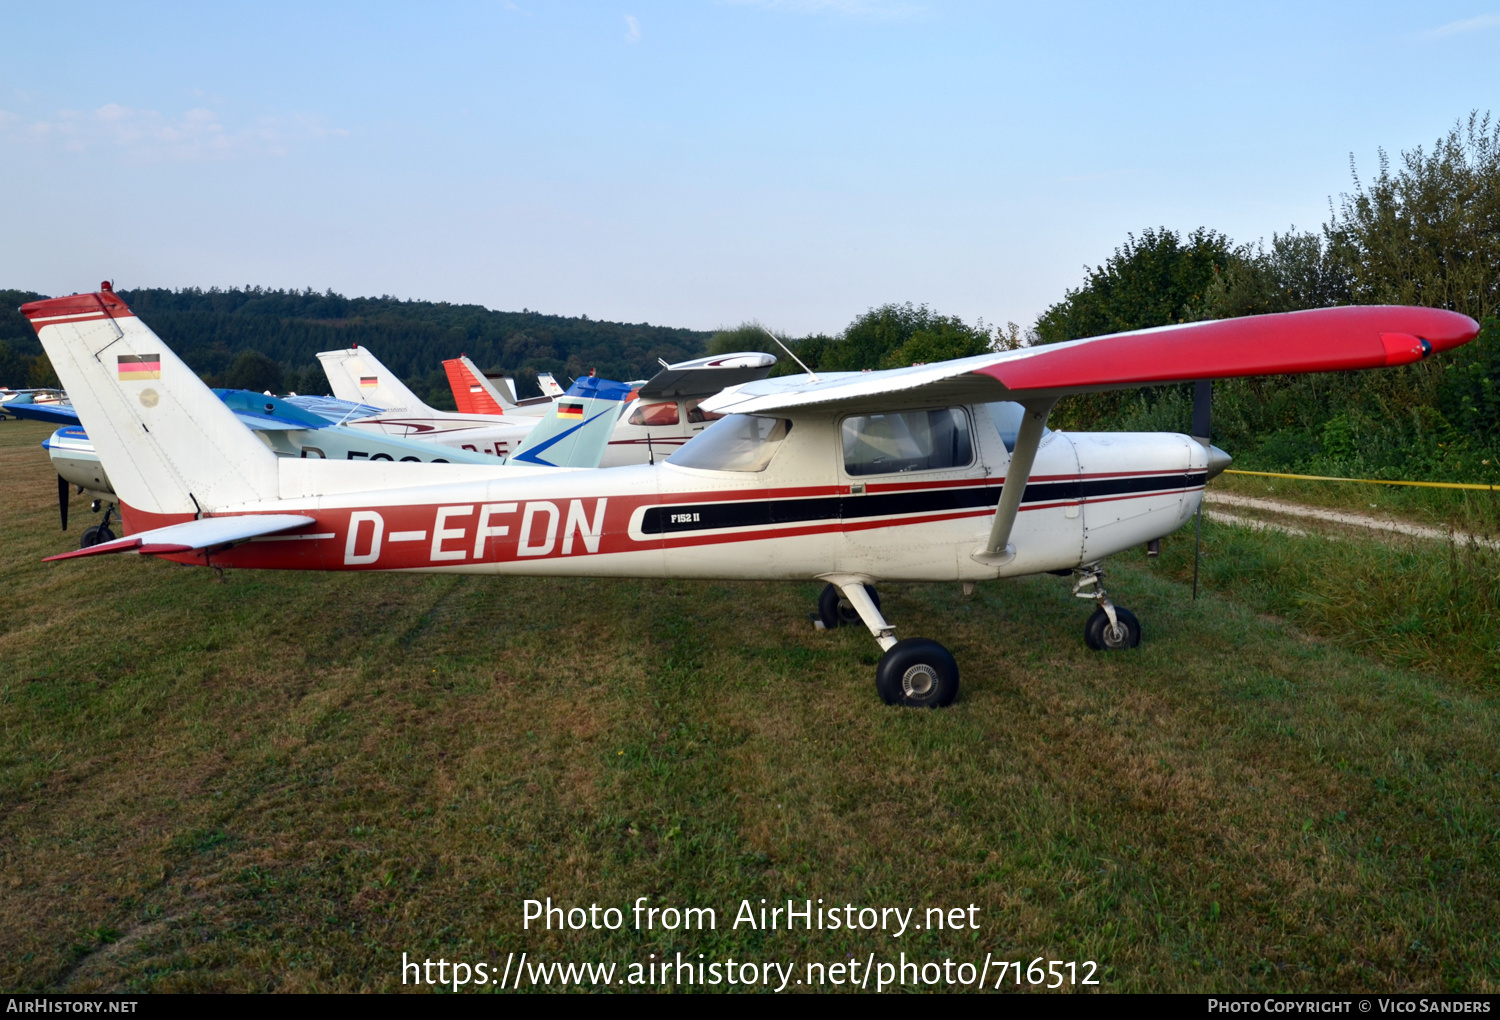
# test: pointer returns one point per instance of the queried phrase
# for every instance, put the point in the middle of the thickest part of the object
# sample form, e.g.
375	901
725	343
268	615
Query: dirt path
1327	517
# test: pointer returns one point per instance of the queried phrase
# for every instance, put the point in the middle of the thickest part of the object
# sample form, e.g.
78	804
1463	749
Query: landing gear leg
99	532
1111	627
913	672
834	610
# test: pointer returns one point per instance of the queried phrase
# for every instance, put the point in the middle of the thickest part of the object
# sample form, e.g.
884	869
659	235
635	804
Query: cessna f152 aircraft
939	472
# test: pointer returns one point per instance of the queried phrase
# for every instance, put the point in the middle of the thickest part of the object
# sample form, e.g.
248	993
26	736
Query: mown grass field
282	781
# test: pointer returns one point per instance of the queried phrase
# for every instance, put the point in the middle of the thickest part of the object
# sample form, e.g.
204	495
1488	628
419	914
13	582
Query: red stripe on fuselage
569	521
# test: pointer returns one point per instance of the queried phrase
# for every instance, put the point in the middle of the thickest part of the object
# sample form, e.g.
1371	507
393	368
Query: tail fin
576	431
356	374
472	391
169	444
549	385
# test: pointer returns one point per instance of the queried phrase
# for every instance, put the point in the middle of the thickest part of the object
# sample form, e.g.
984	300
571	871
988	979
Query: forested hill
212	329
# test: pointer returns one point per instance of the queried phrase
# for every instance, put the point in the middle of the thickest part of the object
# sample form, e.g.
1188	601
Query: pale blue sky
694	163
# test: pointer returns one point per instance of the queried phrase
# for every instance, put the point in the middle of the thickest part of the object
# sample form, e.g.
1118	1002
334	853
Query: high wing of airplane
929	473
703	377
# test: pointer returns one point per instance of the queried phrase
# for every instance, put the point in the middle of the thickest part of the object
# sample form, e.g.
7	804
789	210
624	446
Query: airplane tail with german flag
576	431
358	376
474	393
172	446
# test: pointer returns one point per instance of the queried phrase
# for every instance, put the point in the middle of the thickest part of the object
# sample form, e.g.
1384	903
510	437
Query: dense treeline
268	339
1425	231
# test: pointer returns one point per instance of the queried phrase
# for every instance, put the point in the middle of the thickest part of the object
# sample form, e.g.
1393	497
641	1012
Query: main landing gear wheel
917	673
96	535
1101	637
834	610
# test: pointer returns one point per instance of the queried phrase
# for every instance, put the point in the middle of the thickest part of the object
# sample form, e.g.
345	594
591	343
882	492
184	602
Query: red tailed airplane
938	472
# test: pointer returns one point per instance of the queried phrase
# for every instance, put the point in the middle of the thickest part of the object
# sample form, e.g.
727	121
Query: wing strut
998	550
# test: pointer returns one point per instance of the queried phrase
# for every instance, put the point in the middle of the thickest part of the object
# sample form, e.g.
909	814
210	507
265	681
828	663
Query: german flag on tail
570	409
139	366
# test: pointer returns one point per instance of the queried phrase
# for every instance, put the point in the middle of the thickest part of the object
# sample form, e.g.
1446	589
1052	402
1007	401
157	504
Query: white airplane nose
1218	460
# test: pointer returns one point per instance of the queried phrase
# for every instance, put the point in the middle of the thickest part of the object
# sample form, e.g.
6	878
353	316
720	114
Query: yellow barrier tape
1368	481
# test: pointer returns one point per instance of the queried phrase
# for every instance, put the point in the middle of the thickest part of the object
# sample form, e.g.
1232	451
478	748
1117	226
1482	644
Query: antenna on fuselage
810	373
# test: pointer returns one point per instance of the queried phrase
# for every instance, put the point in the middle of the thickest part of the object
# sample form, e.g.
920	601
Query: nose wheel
1110	628
100	532
1103	635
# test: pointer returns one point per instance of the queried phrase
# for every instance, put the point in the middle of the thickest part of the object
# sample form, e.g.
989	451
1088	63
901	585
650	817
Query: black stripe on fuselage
671	520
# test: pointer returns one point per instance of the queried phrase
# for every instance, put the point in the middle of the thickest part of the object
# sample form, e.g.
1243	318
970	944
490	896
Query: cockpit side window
655	414
878	444
696	414
737	442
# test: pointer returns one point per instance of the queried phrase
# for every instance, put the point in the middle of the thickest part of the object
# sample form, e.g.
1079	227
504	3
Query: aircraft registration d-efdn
939	472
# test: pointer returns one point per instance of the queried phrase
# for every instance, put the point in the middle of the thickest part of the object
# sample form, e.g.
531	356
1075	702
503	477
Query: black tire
96	535
835	611
1096	633
917	673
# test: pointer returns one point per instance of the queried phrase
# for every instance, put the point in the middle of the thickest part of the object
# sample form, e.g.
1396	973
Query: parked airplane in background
665	410
476	393
664	414
27	398
904	474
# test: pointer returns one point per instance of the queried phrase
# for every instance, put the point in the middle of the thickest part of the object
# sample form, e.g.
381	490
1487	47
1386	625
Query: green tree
252	370
40	375
1428	231
1157	279
747	336
1298	271
13	367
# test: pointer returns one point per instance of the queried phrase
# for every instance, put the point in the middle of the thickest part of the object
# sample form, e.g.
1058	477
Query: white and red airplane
940	472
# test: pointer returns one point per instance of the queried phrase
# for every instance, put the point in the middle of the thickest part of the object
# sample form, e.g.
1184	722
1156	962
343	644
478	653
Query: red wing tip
1464	330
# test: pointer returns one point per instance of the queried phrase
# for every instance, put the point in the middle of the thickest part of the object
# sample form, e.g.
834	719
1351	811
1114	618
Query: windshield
739	442
1007	415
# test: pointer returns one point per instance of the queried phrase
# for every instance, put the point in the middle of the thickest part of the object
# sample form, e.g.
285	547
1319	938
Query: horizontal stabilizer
190	536
56	414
